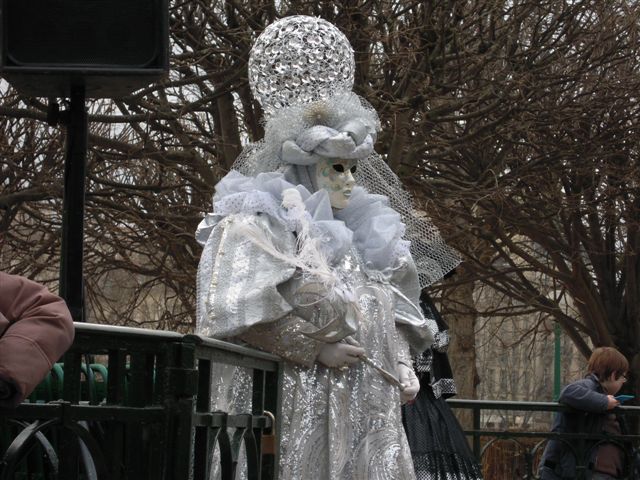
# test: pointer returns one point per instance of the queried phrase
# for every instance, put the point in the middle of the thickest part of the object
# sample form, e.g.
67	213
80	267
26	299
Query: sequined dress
335	424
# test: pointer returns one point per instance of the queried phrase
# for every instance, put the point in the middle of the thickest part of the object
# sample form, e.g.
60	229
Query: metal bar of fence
476	438
84	411
569	436
203	436
118	333
237	355
511	405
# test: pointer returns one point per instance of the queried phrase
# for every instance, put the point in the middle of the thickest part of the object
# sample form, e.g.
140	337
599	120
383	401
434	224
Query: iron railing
132	403
514	453
135	404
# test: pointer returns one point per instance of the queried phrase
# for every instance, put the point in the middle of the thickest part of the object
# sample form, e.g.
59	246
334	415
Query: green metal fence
130	403
522	447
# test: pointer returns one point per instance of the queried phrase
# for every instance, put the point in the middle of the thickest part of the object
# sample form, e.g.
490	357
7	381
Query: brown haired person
35	330
593	397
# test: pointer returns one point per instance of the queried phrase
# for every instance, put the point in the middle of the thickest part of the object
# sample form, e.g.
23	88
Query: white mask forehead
336	177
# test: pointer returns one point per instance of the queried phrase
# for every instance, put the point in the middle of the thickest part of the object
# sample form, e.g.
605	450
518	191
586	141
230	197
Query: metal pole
71	256
557	372
477	450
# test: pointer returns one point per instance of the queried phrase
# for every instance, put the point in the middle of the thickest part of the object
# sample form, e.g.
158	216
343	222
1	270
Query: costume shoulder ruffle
367	223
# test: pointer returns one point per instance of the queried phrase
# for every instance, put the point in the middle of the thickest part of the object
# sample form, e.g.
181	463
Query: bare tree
534	151
514	123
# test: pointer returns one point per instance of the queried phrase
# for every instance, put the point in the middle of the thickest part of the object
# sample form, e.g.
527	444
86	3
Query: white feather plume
309	253
308	257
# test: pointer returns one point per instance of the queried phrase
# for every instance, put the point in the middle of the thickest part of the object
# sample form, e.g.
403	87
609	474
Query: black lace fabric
438	446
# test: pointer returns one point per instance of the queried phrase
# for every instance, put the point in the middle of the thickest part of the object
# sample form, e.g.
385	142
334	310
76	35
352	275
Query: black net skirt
439	448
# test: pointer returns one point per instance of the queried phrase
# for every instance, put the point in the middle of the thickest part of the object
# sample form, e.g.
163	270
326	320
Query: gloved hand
408	378
339	355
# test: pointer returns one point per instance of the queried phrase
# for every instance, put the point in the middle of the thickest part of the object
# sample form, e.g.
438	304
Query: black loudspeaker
111	47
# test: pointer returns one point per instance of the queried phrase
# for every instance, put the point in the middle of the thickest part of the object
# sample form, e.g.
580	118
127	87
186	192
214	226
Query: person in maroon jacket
35	330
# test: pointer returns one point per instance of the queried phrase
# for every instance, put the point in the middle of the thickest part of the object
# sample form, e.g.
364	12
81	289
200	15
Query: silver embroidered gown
335	424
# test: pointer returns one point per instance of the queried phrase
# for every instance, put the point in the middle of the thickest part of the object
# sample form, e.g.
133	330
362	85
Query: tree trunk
461	318
231	145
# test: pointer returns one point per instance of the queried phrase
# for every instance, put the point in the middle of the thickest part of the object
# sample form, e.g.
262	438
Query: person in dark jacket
593	400
35	330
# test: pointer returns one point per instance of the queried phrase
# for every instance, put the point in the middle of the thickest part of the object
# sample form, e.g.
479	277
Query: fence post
181	388
476	433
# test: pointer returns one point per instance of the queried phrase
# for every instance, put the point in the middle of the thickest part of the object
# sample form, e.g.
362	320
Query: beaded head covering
298	60
301	70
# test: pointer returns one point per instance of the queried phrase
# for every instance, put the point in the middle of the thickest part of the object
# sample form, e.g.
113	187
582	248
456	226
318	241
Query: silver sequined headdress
301	70
298	60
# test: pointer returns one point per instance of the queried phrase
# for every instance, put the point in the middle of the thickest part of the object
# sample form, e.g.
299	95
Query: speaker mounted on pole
110	47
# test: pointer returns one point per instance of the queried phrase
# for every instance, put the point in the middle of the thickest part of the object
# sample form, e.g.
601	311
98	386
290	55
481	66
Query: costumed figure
438	445
307	256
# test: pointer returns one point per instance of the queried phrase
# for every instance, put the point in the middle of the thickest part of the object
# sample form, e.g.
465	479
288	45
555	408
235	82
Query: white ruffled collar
367	223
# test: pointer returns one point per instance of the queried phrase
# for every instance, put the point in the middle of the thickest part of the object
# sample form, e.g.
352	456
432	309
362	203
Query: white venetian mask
336	177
